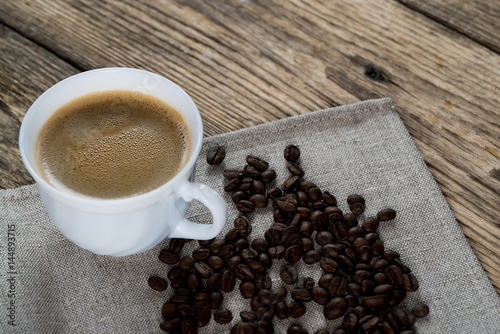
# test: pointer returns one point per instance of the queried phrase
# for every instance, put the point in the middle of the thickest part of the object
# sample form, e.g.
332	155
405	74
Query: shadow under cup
125	225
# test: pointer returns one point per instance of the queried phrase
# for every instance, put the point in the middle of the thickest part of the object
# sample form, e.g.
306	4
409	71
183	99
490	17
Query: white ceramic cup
133	224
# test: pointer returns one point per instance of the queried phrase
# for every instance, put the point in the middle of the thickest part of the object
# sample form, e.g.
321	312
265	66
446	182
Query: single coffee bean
368	322
378	248
319	220
292	153
240	244
307	244
365	254
279	216
340	230
189	326
335	308
265	259
239	195
216	245
277	252
290	183
203	270
226	251
350	219
375	301
214	281
260	245
233	262
223	316
320	295
345	263
281	310
379	278
360	275
355	232
248	316
351	199
289	274
244	272
381	265
420	310
329	265
228	281
216	155
384	289
258	187
366	286
334	214
186	263
233	174
176	244
170	324
350	321
259	200
272	236
201	313
251	172
176	273
363	266
351	300
296	329
157	283
406	317
245	184
169	310
390	255
168	256
331	250
357	208
295	169
247	289
386	214
257	162
306	185
245	206
328	198
394	275
324	280
287	204
337	286
294	253
410	282
201	254
273	193
263	282
268	176
354	289
296	309
314	194
311	257
324	237
302	295
397	297
370	224
216	299
180	299
304	212
232	185
249	253
243	224
256	265
193	282
232	235
201	295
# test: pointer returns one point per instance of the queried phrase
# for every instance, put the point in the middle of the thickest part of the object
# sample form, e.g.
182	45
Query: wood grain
246	63
26	71
480	20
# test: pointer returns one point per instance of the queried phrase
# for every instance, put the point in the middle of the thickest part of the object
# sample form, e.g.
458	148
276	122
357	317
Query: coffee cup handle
186	229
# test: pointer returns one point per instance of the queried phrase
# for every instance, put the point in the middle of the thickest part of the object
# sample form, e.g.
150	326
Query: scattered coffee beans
362	283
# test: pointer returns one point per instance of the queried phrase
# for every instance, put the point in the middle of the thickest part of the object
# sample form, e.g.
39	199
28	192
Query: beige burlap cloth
49	285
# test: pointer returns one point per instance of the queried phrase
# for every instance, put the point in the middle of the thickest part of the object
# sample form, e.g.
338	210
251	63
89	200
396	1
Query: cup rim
80	199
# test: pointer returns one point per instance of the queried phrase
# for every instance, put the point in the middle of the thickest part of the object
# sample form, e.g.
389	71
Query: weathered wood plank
246	63
478	19
26	70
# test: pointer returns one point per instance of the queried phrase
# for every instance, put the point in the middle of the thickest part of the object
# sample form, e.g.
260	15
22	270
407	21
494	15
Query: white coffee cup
133	224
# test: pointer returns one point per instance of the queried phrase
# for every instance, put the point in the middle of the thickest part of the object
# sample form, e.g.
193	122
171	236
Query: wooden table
246	62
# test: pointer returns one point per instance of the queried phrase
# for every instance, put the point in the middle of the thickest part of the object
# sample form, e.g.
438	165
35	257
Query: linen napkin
49	285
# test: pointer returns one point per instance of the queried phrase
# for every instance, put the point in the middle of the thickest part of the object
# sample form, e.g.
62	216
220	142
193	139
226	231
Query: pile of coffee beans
361	282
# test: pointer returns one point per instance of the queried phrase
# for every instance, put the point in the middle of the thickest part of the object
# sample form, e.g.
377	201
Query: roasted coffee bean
214	281
273	193
232	173
201	254
304	212
360	275
176	273
381	265
371	237
379	278
410	282
280	216
233	261
378	248
375	301
258	187
318	205
265	296
357	208
277	252
289	274
157	283
351	300
223	316
189	326
203	270
256	265
232	235
180	299
169	310
260	245
329	265
368	322
248	316
287	204
292	153
257	162
170	324
354	289
394	275
240	244
251	171
328	198
305	283
216	299
334	214
324	280
280	227
238	196
302	198
290	184
307	244
186	263
314	194
176	244
228	281
245	184
294	253
363	266
201	295
320	295
281	310
390	255
335	308
331	250
268	176
193	282
263	282
245	206
345	263
397	297
319	220
420	310
232	185
176	283
215	155
337	286
249	253
296	309
168	256
265	259
386	214
350	219
340	230
406	317
294	239
370	224
216	245
351	199
384	289
324	237
247	289
259	200
296	329
272	236
350	321
355	232
295	169
358	242
302	295
226	251
201	313
311	257
365	253
366	286
287	232
244	272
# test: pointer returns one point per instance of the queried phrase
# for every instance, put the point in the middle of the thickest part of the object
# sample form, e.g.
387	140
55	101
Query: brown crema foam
112	144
